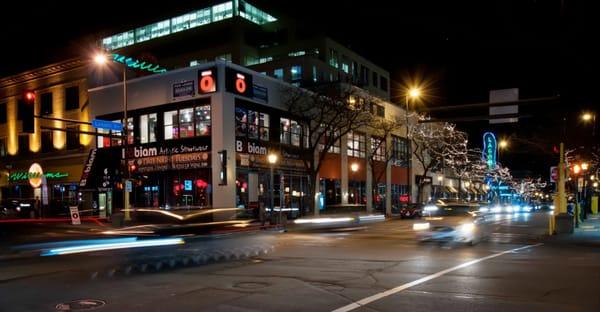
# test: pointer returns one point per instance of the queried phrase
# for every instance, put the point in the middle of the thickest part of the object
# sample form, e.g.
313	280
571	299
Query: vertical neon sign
490	149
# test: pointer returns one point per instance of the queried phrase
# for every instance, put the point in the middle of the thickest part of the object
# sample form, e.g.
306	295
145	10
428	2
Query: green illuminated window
253	14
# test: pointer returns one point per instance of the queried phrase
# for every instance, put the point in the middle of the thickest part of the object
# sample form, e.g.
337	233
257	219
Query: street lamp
354	167
412	93
101	59
590	117
272	158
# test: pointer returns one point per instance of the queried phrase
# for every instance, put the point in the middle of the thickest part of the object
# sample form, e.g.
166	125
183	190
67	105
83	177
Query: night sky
458	49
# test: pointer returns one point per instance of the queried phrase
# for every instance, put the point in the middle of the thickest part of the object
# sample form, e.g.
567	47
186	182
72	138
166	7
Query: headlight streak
421	226
112	246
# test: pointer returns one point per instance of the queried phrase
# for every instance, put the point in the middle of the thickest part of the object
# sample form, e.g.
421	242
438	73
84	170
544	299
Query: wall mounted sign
107	124
22	175
36	175
238	82
184	89
490	149
261	93
207	80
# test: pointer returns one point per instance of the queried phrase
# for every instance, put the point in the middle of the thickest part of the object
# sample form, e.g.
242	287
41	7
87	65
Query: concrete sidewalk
587	234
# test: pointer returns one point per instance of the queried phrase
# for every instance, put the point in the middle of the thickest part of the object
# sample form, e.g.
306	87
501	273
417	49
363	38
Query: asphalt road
379	267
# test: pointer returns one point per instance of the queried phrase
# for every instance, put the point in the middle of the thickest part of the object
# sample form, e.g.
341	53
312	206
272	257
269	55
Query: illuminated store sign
22	175
238	82
207	80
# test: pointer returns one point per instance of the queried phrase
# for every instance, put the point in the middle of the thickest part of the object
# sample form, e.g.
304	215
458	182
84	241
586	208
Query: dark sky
458	49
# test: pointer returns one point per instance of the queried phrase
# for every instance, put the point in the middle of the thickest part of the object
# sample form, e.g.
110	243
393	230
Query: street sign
554	174
75	215
106	124
504	96
128	186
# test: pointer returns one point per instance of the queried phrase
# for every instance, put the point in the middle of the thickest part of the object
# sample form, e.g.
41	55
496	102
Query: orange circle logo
35	175
207	84
240	85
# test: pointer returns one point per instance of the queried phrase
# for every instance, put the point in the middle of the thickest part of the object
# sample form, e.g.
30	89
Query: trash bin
565	224
117	219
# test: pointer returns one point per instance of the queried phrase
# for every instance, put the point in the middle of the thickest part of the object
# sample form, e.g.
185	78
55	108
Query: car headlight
420	226
496	209
484	209
431	208
467	227
552	207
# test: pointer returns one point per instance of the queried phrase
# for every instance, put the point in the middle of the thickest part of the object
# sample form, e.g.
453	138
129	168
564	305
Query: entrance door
102	204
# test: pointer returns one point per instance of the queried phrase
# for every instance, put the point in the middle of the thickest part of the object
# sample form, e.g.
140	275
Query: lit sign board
184	89
238	82
137	64
207	80
22	175
490	149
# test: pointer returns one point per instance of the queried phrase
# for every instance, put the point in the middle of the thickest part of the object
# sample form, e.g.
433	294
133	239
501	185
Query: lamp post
502	145
272	158
590	117
354	169
101	59
412	93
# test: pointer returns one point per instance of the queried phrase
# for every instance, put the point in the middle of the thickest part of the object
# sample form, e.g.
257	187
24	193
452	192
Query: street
379	267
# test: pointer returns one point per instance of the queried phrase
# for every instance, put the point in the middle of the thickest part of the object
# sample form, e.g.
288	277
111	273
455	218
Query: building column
317	195
369	177
344	168
388	178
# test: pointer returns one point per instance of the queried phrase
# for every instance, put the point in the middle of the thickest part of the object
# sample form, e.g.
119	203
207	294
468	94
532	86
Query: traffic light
27	110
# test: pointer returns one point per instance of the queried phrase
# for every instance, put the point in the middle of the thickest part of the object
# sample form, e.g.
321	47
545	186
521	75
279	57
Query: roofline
41	72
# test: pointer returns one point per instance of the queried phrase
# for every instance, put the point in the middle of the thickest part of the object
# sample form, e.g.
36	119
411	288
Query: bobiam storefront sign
181	156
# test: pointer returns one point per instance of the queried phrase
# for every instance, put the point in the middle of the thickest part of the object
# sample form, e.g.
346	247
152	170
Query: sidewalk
587	234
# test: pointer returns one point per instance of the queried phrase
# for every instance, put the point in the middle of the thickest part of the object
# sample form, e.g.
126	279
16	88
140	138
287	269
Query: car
411	211
457	223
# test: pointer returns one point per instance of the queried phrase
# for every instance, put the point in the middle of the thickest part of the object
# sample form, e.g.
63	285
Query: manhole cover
251	285
80	305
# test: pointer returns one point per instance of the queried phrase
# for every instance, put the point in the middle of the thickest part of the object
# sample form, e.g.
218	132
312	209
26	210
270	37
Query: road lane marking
367	300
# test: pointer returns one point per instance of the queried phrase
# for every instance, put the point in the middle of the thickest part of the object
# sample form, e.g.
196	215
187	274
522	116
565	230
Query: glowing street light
584	166
100	59
272	158
354	167
587	116
576	169
503	144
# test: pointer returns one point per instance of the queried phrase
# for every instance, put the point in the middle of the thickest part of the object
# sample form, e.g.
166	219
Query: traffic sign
106	124
128	186
75	215
554	174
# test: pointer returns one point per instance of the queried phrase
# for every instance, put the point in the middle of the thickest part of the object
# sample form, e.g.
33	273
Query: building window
400	151
335	147
278	73
346	68
224	57
72	98
73	138
3	113
46	104
47	145
130	131
197	62
296	72
333	58
148	127
103	141
383	83
291	132
375	79
222	11
20	109
251	124
170	122
202	120
24	144
3	147
297	53
357	144
187	122
378	148
378	110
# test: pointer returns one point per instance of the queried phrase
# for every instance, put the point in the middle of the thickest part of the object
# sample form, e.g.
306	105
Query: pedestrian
37	207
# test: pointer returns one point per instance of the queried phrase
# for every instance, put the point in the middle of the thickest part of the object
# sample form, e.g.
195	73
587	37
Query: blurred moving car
411	211
461	223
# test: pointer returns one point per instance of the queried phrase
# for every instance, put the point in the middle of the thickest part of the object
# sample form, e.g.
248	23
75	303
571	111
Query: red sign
404	198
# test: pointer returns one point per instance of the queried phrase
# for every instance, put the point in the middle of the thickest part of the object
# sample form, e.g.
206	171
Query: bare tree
329	113
381	153
436	144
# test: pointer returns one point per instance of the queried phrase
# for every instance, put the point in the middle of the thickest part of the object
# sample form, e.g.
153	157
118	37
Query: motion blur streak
112	246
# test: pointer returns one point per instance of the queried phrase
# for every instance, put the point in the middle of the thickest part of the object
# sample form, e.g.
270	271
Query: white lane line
367	300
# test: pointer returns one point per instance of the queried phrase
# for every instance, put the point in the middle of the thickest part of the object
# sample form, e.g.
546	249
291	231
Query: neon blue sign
137	64
490	149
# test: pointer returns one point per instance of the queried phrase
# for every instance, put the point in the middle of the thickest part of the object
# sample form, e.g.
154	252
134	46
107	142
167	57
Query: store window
186	123
202	120
251	124
148	127
278	73
335	146
296	72
357	144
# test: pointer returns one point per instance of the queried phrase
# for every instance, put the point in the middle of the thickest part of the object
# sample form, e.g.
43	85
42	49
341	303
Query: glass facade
187	21
148	127
296	72
291	132
378	148
187	122
400	151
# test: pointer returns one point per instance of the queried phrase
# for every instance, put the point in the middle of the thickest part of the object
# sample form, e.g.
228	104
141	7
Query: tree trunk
312	199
